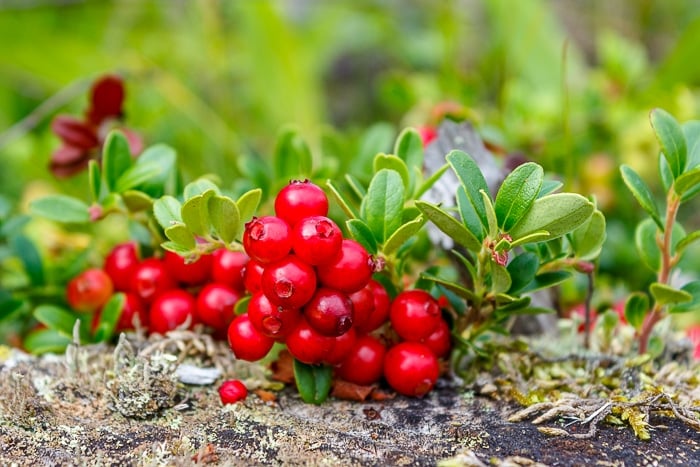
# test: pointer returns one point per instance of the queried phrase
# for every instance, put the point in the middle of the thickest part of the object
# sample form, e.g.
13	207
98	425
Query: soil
54	413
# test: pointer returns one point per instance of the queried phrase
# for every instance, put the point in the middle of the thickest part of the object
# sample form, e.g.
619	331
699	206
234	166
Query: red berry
151	278
269	319
427	134
380	312
195	273
266	239
307	345
227	267
232	391
120	264
414	314
246	342
439	341
316	239
252	276
362	306
411	369
349	271
300	199
89	290
365	362
329	312
170	310
342	347
215	304
289	282
133	307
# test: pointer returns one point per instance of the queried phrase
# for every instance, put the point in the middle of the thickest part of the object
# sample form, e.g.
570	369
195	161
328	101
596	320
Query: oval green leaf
109	317
57	318
402	234
636	308
547	279
313	381
522	270
292	157
692	306
672	140
95	180
28	254
45	341
61	208
472	180
381	208
500	278
666	295
409	148
247	204
517	193
452	286
137	201
470	218
116	158
342	202
167	211
361	233
449	225
587	241
181	235
558	214
687	182
195	213
641	193
391	162
224	217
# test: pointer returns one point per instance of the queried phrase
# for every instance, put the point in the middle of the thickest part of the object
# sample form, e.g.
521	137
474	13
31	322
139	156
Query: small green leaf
377	138
692	306
549	186
666	295
686	241
387	161
547	279
534	237
641	193
636	308
167	211
452	286
28	253
195	213
177	248
164	158
362	234
587	241
402	234
665	173
137	201
472	180
645	240
61	208
691	131
672	140
517	193
409	147
180	234
449	225
200	187
95	179
137	175
491	219
382	206
500	278
116	158
356	186
292	157
686	182
558	214
109	317
224	217
522	270
57	318
313	381
46	340
342	202
430	181
470	218
247	204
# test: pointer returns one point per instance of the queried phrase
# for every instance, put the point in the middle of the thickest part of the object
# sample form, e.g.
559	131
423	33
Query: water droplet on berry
272	324
284	288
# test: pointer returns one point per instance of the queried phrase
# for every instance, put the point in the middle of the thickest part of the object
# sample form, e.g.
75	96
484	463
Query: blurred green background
567	83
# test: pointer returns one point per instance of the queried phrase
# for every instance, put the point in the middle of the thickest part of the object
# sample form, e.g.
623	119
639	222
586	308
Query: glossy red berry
132	310
439	341
271	320
365	362
266	239
246	342
215	305
349	271
380	309
151	278
362	306
227	268
89	290
329	312
190	274
307	345
414	314
316	239
232	391
300	199
171	310
411	369
120	264
252	276
342	347
289	282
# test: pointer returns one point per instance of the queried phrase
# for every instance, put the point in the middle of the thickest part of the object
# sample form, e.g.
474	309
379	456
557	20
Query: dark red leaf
68	160
107	97
74	132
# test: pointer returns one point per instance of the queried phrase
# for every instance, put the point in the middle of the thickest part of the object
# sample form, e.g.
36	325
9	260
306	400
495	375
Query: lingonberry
329	312
189	274
252	276
246	342
232	391
89	290
120	264
215	303
269	319
349	271
150	279
266	239
380	310
133	310
170	310
439	341
342	347
316	239
300	199
411	369
365	362
414	314
307	345
362	306
289	282
227	268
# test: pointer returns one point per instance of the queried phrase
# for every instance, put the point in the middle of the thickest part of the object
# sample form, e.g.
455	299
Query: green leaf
116	158
645	240
61	208
224	217
137	175
666	295
491	220
692	306
522	270
362	234
686	182
199	187
342	202
517	193
547	279
384	161
636	308
382	206
449	225
177	248
313	381
665	173
587	241
470	218
137	201
195	214
672	140
402	234
409	147
57	318
95	179
377	138
558	214
430	181
472	180
46	340
167	211
686	241
641	193
452	286
27	252
534	237
109	317
247	204
356	186
691	131
292	157
500	278
180	234
549	186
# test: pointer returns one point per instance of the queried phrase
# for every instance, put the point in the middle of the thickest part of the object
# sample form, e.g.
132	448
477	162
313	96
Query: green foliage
313	381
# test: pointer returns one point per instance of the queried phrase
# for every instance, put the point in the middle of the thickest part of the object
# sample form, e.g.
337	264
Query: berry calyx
246	342
171	310
329	312
266	239
316	239
300	199
411	369
89	290
232	391
289	282
414	314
